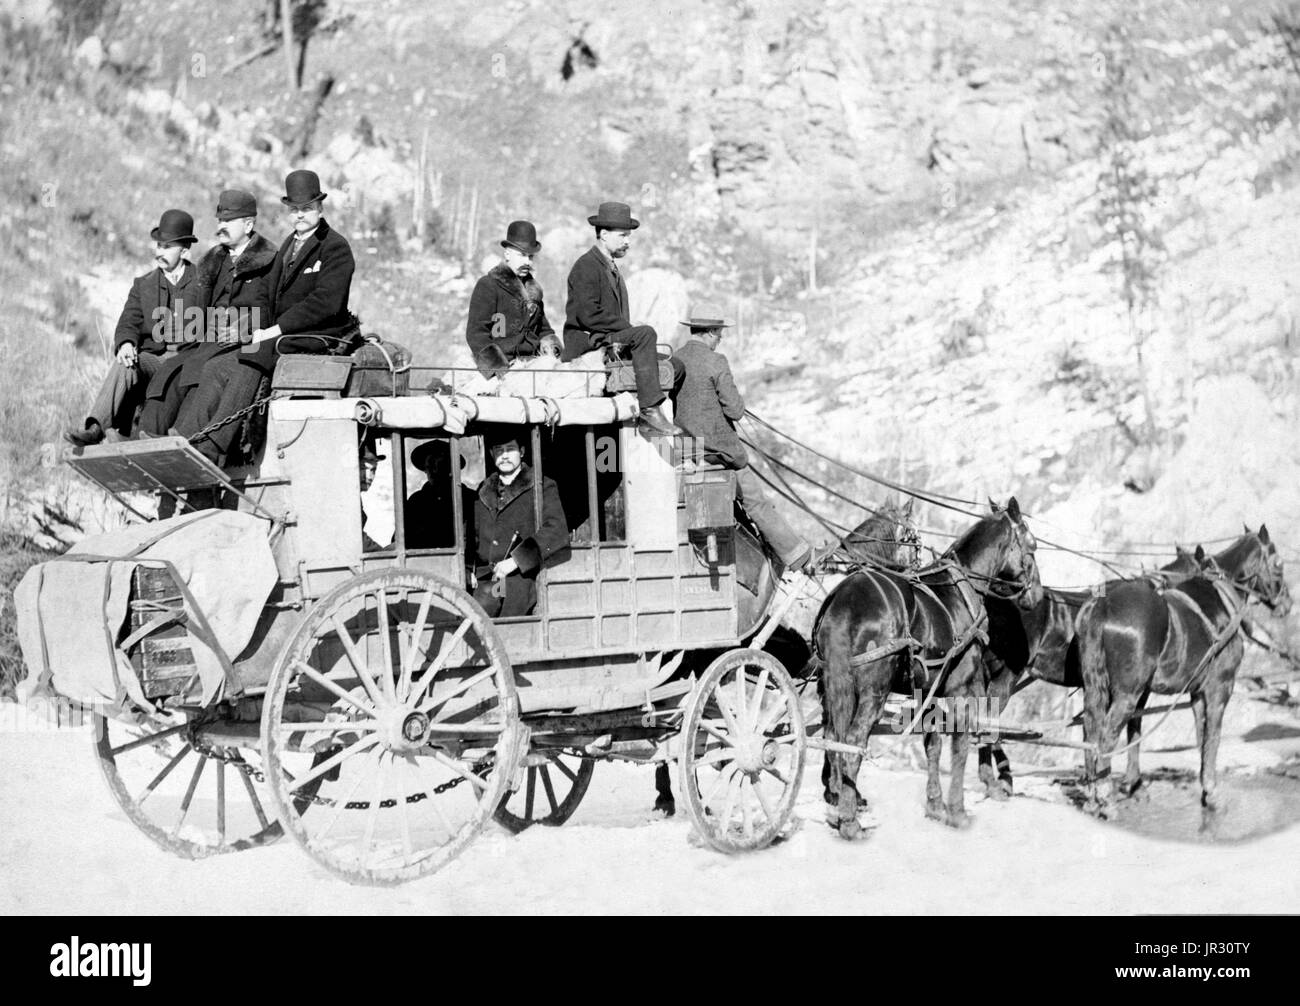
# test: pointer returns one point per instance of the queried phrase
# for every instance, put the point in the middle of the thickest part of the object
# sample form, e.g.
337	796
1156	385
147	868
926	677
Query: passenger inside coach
429	513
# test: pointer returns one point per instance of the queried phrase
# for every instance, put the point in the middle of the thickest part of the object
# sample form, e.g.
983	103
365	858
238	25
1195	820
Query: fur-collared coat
520	327
502	513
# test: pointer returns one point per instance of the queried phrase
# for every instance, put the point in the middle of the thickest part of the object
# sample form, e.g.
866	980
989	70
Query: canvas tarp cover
71	613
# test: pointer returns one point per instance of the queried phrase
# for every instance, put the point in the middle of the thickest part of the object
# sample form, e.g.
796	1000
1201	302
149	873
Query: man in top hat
308	288
503	541
708	407
507	319
597	312
145	331
429	513
233	299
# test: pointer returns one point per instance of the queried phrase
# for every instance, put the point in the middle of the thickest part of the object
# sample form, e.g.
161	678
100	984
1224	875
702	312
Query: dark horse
1136	639
1039	644
880	541
881	631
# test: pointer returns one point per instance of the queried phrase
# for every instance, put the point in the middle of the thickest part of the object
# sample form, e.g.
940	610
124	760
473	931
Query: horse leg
1096	700
869	706
1133	772
1215	701
959	748
984	757
664	802
934	806
1006	784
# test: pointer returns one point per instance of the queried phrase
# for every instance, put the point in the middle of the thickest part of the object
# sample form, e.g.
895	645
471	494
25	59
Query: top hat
522	236
614	217
705	317
174	227
301	187
235	204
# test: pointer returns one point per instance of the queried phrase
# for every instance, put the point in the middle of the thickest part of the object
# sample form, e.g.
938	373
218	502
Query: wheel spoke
759	692
341	806
413	648
717	756
742	699
746	828
728	714
354	657
221	802
529	789
329	727
151	738
571	775
444	654
756	785
319	770
459	690
460	770
164	773
771	771
724	775
733	787
385	645
550	793
252	798
403	814
316	676
713	731
189	794
372	814
772	716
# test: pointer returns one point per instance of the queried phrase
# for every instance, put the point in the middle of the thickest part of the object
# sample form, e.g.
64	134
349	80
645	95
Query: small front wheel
743	748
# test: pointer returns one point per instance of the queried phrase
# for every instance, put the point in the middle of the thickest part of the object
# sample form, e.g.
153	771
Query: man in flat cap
507	318
233	298
145	330
504	544
308	288
596	314
708	407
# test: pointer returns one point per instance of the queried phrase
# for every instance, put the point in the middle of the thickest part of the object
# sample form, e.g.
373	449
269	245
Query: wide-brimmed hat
174	227
614	217
301	187
705	316
424	452
522	236
235	204
496	434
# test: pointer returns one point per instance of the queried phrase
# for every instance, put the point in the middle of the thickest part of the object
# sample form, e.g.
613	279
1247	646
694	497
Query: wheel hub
406	731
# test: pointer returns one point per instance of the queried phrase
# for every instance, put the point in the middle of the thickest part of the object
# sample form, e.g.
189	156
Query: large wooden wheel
743	748
553	785
192	798
397	695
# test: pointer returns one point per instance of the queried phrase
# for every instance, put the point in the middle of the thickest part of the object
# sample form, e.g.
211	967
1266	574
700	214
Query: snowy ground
69	849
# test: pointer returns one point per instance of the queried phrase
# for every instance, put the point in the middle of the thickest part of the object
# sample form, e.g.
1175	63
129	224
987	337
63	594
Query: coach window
584	461
427	484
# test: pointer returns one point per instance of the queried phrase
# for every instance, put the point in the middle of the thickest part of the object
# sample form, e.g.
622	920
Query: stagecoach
284	662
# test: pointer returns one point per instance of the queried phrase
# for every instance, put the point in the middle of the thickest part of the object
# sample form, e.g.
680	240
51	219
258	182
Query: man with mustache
597	314
507	319
145	331
307	287
232	299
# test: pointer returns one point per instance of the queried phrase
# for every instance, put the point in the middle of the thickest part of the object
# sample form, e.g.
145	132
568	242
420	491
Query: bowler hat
301	187
522	236
496	434
174	227
614	217
234	204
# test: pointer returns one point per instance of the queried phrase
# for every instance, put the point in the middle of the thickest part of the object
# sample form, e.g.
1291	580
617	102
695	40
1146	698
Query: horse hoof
1210	802
850	830
936	812
1000	790
666	807
958	819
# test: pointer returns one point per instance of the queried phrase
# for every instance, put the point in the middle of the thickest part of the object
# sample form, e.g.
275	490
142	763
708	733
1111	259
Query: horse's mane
875	540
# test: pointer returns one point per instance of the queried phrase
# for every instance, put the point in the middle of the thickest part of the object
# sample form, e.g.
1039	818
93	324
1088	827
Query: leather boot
88	437
653	423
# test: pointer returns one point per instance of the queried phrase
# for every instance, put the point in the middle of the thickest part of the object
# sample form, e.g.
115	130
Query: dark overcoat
223	284
523	322
709	404
597	304
140	317
311	295
502	513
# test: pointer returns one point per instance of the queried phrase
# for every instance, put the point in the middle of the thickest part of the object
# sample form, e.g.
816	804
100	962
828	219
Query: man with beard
596	314
233	298
507	319
145	331
308	287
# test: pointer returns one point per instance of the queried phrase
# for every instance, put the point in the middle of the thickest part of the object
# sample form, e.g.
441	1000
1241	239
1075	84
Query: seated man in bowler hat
507	319
308	288
146	329
708	407
596	314
233	298
503	543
